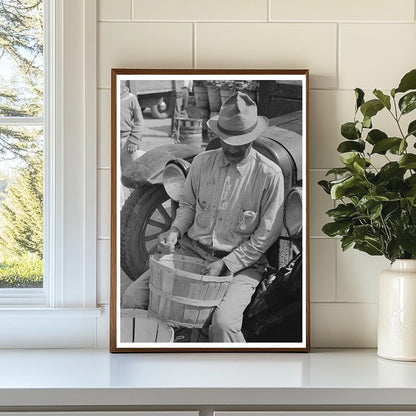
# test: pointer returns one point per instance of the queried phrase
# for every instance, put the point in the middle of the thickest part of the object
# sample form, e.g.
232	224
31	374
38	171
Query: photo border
116	75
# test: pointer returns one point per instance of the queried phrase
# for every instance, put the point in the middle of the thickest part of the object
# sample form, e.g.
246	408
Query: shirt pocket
247	221
203	217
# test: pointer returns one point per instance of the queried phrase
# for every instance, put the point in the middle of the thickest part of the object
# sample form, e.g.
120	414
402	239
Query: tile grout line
131	10
194	62
338	63
336	271
269	11
306	22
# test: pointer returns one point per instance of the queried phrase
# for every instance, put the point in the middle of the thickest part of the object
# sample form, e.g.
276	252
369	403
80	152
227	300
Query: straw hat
237	122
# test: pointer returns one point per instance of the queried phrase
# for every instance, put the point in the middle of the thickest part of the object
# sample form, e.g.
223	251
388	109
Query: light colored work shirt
233	208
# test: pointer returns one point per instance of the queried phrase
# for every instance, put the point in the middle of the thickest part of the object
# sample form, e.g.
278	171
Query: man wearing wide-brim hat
230	213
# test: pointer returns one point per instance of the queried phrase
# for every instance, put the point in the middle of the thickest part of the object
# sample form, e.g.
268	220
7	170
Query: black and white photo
209	211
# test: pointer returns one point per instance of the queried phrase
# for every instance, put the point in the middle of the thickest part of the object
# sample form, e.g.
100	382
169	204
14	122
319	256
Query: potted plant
376	206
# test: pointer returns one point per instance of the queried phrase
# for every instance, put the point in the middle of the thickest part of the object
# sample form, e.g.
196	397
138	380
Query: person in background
131	125
230	213
131	130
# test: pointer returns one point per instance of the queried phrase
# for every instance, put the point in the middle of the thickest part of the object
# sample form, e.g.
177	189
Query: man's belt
212	251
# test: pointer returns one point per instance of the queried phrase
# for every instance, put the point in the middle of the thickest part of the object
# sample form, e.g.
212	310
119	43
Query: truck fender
148	169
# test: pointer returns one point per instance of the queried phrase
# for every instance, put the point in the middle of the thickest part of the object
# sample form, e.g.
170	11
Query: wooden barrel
180	294
251	93
201	96
137	326
190	131
214	98
225	94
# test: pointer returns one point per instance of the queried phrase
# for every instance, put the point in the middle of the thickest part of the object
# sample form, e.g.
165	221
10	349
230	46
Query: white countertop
96	377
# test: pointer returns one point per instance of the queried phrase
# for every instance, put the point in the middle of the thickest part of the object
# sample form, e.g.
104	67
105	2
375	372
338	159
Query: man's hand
168	239
131	147
214	269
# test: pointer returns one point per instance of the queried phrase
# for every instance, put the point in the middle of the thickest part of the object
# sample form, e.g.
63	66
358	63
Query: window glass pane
21	209
21	58
21	143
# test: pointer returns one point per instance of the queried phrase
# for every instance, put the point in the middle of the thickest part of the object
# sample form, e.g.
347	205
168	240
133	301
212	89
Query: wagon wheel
142	220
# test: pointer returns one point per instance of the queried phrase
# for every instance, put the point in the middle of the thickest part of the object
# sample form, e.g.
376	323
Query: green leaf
383	145
398	149
349	186
348	158
375	211
408	82
346	242
385	99
393	250
368	248
361	231
359	165
336	228
349	146
407	239
408	161
325	186
354	161
359	95
342	211
411	130
371	108
338	171
375	136
408	102
349	131
369	201
391	170
367	122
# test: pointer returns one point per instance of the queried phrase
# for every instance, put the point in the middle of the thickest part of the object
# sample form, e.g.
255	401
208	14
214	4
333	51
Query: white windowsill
40	327
323	378
39	311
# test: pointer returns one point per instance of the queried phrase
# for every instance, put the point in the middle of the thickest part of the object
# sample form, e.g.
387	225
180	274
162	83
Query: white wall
345	44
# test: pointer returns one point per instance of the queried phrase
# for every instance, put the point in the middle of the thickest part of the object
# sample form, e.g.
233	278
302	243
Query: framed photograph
209	211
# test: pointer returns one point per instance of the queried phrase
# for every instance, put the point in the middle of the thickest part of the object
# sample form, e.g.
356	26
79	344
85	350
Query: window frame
70	207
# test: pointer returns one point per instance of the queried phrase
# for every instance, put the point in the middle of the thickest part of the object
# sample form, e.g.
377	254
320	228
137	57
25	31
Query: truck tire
144	216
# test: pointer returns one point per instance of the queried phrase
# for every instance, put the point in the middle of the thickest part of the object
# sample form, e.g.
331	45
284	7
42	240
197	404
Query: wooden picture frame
160	116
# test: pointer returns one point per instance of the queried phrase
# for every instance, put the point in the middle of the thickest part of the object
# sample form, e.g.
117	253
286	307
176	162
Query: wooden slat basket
137	326
180	294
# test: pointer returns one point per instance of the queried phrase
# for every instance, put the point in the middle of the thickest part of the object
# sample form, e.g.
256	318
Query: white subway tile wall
142	45
270	45
345	44
323	269
114	10
356	10
200	10
104	128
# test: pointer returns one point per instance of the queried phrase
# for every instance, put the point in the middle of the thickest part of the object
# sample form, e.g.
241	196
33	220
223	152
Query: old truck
160	95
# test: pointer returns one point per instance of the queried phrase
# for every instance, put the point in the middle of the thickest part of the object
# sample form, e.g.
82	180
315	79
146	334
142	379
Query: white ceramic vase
397	312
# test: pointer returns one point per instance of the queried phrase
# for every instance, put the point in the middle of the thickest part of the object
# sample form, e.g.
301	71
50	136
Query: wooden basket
190	131
137	326
180	294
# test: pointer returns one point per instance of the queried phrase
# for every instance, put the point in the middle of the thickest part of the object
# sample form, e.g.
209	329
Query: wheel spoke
164	213
151	237
156	224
